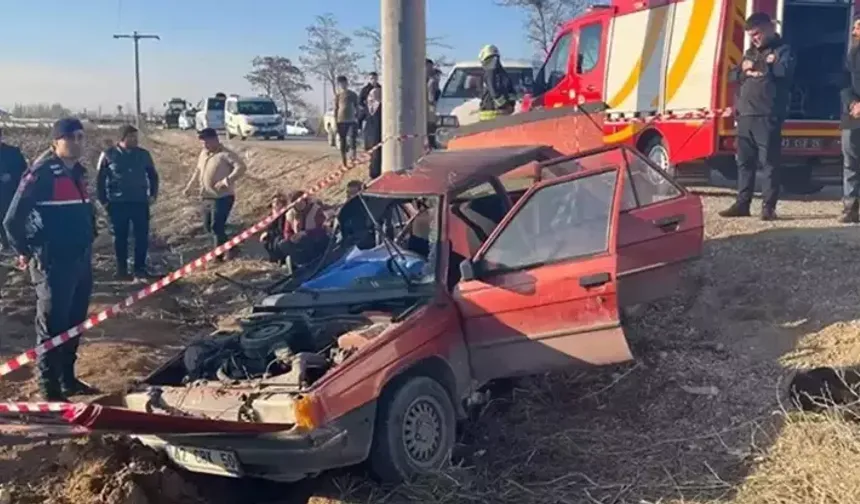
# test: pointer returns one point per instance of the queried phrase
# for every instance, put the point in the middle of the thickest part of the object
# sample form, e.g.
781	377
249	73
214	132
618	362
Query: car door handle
594	280
589	87
669	224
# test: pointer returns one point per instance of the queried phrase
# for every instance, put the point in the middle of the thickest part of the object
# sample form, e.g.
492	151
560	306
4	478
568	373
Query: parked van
210	113
461	92
253	116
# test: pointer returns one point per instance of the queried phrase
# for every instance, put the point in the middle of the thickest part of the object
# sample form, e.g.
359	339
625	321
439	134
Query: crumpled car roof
452	171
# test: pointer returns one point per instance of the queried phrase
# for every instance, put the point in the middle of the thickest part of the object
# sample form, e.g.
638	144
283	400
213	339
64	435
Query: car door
660	229
589	66
542	291
552	81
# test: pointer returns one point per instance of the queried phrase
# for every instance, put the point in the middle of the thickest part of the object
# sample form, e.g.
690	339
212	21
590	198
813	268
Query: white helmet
487	51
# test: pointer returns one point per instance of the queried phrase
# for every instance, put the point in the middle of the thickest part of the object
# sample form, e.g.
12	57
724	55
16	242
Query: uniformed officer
51	226
765	78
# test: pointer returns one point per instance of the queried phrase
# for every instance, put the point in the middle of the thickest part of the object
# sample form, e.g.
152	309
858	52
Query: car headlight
447	121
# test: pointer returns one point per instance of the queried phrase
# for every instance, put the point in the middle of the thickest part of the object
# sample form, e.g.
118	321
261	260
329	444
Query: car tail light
308	412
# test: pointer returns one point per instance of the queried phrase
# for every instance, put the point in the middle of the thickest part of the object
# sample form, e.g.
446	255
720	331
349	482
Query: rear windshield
257	107
215	104
456	87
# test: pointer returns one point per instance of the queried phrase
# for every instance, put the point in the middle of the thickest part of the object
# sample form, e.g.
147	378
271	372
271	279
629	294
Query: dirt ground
700	417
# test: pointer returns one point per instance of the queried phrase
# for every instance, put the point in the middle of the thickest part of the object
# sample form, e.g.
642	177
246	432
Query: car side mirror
467	270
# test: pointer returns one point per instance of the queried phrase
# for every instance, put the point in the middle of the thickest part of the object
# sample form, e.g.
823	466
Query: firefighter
850	126
498	96
12	167
127	185
51	226
765	77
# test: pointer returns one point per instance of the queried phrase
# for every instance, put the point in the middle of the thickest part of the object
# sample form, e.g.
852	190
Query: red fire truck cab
664	68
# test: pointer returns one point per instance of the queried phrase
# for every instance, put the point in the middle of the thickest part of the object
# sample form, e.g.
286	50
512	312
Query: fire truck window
589	47
559	222
555	67
650	184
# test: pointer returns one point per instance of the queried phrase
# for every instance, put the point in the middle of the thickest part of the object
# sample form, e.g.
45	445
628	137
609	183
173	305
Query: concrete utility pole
404	81
136	37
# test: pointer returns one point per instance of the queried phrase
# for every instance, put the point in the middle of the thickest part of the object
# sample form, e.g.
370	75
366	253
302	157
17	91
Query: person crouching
304	235
274	232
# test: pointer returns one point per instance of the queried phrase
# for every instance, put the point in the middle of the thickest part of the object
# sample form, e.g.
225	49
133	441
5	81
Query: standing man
372	84
850	125
346	116
218	169
765	79
51	226
12	168
498	96
127	184
433	93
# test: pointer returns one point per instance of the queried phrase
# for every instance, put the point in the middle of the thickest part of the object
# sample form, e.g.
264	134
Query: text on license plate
801	143
205	460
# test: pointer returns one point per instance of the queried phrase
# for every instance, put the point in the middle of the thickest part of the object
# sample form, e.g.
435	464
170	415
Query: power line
136	38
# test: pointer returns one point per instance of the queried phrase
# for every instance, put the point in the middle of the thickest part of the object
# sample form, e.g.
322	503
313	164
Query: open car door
541	293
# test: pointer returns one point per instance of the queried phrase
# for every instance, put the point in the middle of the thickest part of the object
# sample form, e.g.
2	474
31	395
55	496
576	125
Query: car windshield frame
455	85
215	104
253	107
369	203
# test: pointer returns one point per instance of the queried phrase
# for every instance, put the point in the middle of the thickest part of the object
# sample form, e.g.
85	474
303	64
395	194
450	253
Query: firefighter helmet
487	51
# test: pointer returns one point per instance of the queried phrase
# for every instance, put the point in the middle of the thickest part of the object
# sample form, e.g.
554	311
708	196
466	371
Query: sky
61	51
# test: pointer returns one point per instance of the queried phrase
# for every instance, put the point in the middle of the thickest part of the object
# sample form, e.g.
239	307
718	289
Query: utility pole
136	38
404	82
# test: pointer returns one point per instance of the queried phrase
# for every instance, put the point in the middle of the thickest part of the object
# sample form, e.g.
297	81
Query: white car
295	128
210	113
461	93
253	116
186	120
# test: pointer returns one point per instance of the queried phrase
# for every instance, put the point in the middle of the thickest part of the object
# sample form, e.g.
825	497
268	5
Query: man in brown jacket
217	170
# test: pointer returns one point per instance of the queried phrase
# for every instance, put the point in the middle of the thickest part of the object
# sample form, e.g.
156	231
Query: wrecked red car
498	262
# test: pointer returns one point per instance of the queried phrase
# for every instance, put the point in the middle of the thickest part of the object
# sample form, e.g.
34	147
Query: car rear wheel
415	431
655	150
227	132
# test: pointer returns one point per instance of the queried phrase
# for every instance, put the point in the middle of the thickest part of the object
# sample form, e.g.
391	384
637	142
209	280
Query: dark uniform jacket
499	93
769	94
12	167
126	175
850	92
51	217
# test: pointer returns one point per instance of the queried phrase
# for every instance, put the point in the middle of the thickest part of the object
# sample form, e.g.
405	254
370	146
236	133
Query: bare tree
328	51
374	42
544	18
279	79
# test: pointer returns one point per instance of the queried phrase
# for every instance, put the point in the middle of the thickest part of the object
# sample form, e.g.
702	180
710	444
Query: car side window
558	222
588	50
555	67
646	184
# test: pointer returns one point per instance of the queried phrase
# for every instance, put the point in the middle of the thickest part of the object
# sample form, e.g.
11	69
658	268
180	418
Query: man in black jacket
498	96
12	167
51	225
765	78
127	184
372	84
850	125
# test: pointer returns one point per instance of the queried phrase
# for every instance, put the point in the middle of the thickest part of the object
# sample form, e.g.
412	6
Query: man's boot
49	388
736	210
768	214
71	385
850	212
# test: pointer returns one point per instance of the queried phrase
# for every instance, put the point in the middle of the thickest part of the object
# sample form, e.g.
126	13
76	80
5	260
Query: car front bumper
285	456
262	131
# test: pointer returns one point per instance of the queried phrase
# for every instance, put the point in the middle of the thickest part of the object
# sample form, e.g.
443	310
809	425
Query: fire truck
664	70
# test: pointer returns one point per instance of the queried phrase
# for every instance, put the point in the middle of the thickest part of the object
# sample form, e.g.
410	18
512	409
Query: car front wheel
415	431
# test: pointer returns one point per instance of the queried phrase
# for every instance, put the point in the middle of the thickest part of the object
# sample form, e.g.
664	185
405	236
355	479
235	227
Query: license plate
205	460
801	143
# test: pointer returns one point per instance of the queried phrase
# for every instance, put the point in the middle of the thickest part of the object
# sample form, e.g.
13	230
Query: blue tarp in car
365	264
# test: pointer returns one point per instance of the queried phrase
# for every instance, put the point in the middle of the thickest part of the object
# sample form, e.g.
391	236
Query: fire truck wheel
655	149
415	430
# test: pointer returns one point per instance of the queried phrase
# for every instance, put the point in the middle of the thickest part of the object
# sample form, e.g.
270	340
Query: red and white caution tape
670	115
31	355
36	407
